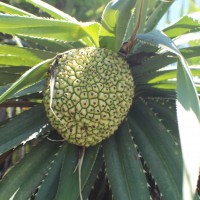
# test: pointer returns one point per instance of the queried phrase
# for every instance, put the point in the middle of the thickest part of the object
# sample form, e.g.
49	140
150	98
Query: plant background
82	10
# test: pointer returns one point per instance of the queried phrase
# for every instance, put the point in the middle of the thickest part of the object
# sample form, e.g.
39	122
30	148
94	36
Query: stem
126	48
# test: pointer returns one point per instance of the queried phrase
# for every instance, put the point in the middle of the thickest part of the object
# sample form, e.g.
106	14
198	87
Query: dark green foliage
152	148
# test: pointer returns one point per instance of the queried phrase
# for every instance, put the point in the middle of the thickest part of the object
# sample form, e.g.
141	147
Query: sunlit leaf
153	63
49	28
18	56
30	77
186	24
54	12
114	20
13	10
156	13
51	45
188	113
134	20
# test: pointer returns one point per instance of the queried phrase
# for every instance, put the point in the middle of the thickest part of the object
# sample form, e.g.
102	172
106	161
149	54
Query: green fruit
92	94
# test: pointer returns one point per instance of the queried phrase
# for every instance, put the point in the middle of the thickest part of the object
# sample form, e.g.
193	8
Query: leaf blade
50	184
157	12
19	182
18	56
49	28
124	170
114	21
186	24
13	133
188	111
158	149
13	10
187	107
52	11
68	187
30	77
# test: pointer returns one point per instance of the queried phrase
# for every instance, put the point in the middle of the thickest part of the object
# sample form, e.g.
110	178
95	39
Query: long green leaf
188	113
13	69
186	24
163	75
156	76
18	56
188	110
149	91
22	181
67	175
13	10
49	28
153	63
156	13
114	20
29	78
6	78
123	166
68	187
165	109
52	11
93	176
28	125
56	46
166	85
133	20
36	88
49	186
158	149
159	39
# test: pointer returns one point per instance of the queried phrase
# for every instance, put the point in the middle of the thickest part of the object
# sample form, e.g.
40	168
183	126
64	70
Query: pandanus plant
112	108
